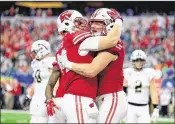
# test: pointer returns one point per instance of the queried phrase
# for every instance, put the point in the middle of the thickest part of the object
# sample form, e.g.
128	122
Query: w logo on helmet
114	14
65	15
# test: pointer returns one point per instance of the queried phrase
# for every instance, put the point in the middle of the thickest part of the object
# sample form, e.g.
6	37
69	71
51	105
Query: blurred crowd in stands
156	39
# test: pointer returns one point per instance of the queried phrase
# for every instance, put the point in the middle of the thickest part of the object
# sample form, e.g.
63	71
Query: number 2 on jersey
37	76
138	87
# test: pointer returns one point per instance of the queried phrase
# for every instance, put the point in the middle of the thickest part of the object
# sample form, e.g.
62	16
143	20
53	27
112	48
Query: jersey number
138	86
37	76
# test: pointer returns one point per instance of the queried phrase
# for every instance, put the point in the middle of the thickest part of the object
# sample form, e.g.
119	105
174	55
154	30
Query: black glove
26	103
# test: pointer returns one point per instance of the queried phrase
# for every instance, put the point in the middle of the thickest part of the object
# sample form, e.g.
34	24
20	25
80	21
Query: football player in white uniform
140	84
42	68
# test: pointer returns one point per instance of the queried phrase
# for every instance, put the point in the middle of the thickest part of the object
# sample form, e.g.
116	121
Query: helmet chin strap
97	34
138	69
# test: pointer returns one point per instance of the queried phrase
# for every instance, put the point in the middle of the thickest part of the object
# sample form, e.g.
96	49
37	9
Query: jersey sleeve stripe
80	36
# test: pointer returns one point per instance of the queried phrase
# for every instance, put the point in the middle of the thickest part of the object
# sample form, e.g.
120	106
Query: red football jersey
111	78
60	91
73	82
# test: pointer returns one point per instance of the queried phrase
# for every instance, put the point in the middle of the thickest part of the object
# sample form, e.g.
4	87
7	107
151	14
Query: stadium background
147	25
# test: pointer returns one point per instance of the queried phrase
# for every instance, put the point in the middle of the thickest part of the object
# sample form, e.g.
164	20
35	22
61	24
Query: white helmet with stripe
69	21
40	48
104	15
138	59
138	54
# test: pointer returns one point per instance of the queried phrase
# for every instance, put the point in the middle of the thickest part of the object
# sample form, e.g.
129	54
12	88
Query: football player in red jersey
78	103
111	98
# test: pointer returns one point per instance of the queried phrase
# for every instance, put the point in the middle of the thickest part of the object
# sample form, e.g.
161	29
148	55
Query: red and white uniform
111	98
80	92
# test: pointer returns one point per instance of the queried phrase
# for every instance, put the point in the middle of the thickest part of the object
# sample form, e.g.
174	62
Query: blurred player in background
111	99
140	84
42	68
71	43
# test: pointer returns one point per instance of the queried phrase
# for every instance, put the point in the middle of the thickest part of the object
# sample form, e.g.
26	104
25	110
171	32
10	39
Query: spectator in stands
12	88
165	99
49	12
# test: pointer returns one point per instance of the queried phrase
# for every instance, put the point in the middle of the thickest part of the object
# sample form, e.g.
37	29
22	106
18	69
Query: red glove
114	14
50	107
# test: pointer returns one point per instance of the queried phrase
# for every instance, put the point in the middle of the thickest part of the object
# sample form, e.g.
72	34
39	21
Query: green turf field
10	116
15	118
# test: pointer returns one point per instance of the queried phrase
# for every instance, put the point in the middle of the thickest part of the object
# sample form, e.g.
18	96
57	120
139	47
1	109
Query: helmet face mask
80	23
33	55
40	49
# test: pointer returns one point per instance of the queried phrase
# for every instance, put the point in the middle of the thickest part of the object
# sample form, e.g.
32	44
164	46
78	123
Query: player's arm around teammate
113	31
110	40
91	69
98	43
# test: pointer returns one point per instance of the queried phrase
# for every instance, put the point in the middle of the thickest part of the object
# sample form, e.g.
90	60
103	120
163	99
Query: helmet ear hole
111	26
67	24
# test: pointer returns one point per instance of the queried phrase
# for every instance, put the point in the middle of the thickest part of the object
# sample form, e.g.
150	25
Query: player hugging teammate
88	69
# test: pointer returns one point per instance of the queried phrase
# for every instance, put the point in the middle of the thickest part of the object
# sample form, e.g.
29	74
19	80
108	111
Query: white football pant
138	114
79	109
112	107
59	116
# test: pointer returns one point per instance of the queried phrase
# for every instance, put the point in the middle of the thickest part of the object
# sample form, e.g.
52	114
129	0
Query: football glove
51	107
26	103
155	114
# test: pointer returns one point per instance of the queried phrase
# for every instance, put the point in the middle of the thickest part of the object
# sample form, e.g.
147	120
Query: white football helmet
103	15
40	48
69	20
138	54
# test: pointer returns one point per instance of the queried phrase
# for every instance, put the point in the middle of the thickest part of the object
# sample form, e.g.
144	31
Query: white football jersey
41	76
138	84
